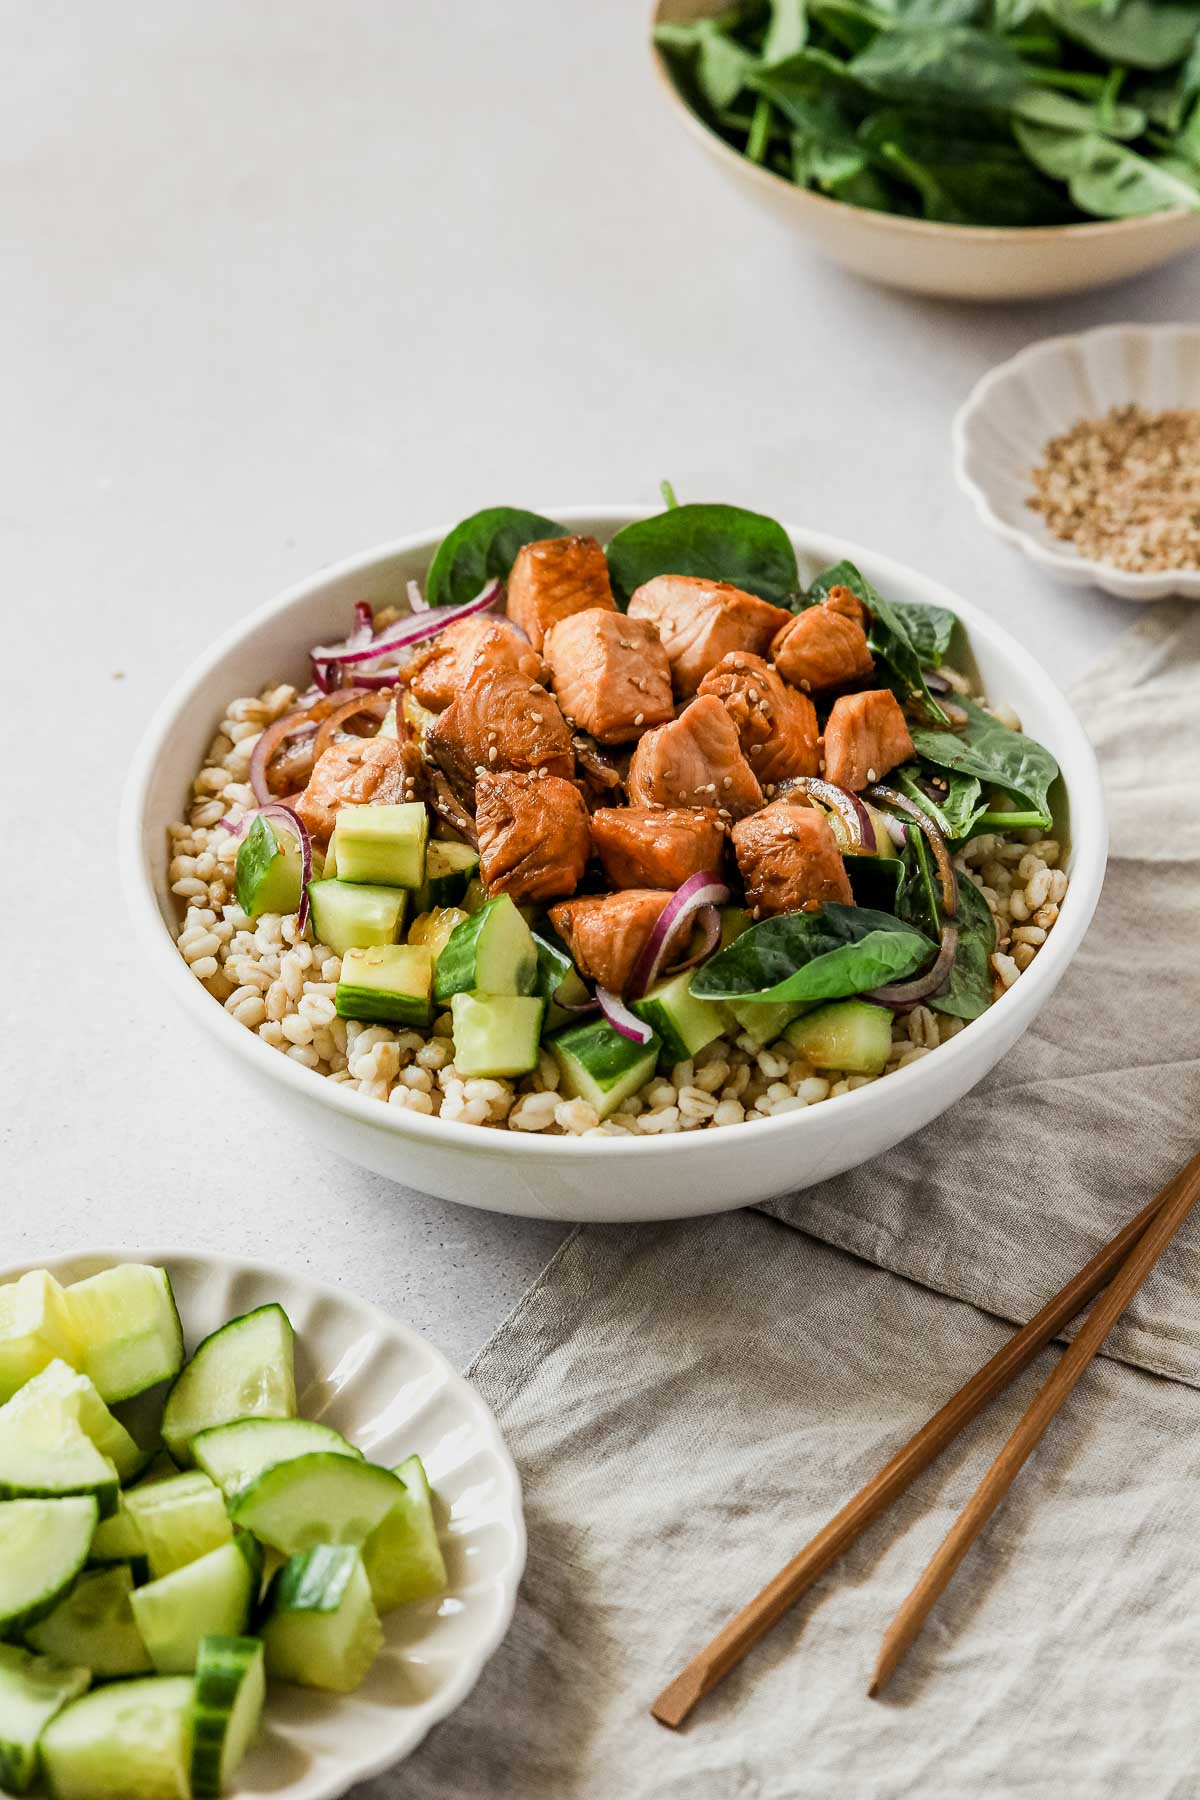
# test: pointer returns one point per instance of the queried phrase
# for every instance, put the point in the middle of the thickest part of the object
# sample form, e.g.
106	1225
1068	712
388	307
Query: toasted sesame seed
871	775
727	781
492	754
639	718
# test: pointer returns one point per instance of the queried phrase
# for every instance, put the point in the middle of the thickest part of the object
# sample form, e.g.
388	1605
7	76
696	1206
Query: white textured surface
1002	430
387	1390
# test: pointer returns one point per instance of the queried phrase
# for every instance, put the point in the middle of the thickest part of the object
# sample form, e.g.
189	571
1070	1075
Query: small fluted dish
1002	429
390	1392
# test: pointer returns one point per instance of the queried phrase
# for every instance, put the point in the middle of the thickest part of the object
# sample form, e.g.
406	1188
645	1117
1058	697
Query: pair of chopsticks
1125	1261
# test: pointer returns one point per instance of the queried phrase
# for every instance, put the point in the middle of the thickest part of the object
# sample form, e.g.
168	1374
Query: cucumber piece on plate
43	1546
491	952
32	1690
213	1595
435	929
600	1066
35	1327
59	1397
131	1740
684	1023
851	1036
402	1556
322	1629
128	1328
230	1689
316	1499
232	1455
496	1034
118	1540
383	844
30	1470
389	983
94	1625
349	917
176	1521
243	1370
270	869
767	1020
448	869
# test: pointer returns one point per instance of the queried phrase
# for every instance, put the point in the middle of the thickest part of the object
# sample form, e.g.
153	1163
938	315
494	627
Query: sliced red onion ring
704	889
848	807
621	1019
577	1006
354	703
292	725
937	843
895	830
417	603
900	995
398	636
708	919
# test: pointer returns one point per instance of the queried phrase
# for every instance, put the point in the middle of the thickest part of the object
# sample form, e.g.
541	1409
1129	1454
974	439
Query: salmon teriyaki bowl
519	862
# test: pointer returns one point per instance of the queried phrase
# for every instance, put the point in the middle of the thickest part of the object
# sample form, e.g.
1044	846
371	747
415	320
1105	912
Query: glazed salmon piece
554	578
533	835
654	847
789	860
609	673
700	621
776	724
822	648
436	675
845	601
865	737
694	761
356	772
499	720
606	933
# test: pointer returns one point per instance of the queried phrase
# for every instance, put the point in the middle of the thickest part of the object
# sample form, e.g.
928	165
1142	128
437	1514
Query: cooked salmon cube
357	772
700	621
789	859
696	760
499	720
533	835
865	737
822	648
606	933
776	723
845	601
656	847
554	578
435	675
610	674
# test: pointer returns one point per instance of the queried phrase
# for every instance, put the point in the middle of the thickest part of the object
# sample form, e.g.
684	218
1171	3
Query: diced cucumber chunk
559	983
43	1546
269	870
132	1739
316	1499
734	920
389	983
600	1066
214	1594
94	1625
448	868
491	952
70	1464
474	896
35	1327
32	1690
230	1689
349	917
232	1455
177	1520
118	1540
496	1034
322	1629
128	1328
402	1556
684	1023
60	1397
766	1021
884	844
434	929
243	1370
384	844
848	1035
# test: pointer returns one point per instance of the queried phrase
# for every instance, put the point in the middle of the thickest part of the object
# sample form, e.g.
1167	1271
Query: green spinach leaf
930	630
996	756
955	804
720	543
931	64
888	636
822	955
1145	34
970	989
482	548
1105	178
787	30
1046	106
720	66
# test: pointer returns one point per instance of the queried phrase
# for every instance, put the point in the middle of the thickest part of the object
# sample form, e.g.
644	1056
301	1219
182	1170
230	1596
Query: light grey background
279	282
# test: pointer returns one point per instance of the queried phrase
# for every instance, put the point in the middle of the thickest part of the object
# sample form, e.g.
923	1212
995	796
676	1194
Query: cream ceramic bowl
602	1179
958	262
390	1392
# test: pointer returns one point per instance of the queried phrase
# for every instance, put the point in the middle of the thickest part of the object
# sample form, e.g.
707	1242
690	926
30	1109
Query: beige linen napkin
688	1403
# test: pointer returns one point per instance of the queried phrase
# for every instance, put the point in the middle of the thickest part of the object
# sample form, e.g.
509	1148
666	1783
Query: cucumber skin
106	1493
12	1624
226	1669
177	1441
307	1600
600	1066
208	1445
411	1568
172	1356
267	874
405	1003
53	1686
380	1009
456	969
850	1036
257	1508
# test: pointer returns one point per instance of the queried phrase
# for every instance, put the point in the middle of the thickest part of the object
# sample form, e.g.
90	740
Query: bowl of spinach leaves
978	149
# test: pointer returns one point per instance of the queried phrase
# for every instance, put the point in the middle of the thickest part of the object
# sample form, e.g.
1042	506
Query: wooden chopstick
752	1623
1184	1191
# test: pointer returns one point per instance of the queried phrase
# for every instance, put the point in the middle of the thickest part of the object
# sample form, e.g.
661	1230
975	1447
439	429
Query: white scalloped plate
380	1384
1003	426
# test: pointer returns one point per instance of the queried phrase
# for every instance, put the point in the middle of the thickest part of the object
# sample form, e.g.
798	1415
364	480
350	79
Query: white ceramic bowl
580	1178
383	1386
958	262
1003	426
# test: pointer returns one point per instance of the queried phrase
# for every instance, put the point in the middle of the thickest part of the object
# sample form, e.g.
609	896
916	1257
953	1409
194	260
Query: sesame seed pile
1125	489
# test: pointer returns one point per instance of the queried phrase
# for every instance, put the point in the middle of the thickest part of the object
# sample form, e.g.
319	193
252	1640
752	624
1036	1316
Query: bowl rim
1148	584
1027	236
344	1299
1089	844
